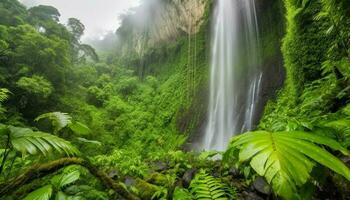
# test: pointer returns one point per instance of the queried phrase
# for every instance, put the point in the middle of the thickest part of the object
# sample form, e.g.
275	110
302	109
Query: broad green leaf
89	141
60	181
286	159
79	128
43	193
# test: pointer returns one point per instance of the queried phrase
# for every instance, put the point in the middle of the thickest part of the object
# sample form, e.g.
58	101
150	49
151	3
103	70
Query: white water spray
235	77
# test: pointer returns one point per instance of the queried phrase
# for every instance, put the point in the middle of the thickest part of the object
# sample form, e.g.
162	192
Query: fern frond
4	94
342	129
59	120
206	187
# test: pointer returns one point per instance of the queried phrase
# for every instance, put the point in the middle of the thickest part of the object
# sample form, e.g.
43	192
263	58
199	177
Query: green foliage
59	120
36	85
80	128
27	141
4	94
43	193
12	12
182	194
76	27
204	186
44	13
126	162
63	180
286	159
339	129
58	183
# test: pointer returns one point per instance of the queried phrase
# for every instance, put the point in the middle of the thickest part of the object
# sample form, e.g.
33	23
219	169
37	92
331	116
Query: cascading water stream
235	77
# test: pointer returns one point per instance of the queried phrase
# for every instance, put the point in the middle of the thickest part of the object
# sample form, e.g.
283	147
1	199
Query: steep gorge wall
174	47
158	22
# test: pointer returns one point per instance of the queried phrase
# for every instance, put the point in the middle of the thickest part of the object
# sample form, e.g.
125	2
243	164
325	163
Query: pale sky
98	16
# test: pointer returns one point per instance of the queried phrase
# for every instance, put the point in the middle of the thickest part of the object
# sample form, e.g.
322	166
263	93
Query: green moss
145	190
312	53
158	179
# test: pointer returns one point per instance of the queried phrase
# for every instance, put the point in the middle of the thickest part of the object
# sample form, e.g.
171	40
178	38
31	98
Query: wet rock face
261	186
188	176
159	22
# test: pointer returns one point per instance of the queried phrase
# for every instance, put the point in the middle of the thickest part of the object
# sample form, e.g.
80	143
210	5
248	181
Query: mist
100	17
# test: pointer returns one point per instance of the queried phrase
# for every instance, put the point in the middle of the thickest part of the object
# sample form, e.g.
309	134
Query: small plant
205	187
57	184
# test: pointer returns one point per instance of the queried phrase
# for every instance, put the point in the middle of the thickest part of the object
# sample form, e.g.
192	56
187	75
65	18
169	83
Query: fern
4	94
286	159
206	187
59	120
182	194
341	128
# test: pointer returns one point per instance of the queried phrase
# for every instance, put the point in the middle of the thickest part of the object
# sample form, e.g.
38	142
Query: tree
12	13
76	28
44	13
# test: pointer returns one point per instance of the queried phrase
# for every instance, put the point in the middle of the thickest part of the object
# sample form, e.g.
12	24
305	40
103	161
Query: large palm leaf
27	141
286	159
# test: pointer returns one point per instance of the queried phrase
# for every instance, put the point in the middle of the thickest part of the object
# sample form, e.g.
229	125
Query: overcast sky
98	16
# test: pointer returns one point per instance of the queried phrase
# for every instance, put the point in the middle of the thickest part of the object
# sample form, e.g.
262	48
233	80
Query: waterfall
235	77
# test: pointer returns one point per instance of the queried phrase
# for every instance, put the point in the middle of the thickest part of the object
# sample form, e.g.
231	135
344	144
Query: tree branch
41	170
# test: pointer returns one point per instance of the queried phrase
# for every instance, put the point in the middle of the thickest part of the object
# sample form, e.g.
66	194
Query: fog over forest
99	16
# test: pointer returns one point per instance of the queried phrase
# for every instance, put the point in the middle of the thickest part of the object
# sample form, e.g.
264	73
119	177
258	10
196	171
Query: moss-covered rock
145	190
158	179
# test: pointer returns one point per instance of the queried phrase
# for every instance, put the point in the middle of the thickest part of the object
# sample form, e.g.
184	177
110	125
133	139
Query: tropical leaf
62	196
286	159
89	141
208	155
79	128
59	120
43	193
62	180
27	141
206	187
